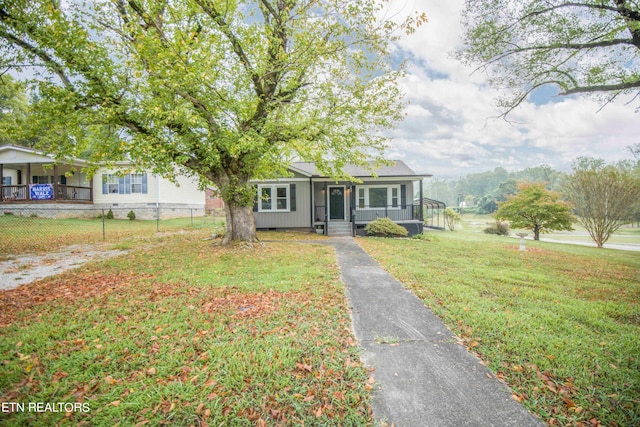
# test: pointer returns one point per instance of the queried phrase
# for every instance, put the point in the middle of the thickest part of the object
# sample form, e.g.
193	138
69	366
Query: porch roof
16	154
396	170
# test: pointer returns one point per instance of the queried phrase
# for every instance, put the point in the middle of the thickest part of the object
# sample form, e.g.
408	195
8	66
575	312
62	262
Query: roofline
40	153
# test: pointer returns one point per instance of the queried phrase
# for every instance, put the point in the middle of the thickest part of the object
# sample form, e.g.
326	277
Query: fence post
157	218
191	217
103	233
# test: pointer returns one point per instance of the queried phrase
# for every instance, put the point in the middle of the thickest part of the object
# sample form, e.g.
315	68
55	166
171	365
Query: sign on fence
41	191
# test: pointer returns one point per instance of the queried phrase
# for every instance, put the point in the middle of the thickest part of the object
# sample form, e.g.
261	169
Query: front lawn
186	334
559	323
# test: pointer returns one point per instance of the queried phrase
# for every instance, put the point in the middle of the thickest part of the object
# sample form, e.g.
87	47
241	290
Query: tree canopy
535	208
14	108
224	90
605	196
587	46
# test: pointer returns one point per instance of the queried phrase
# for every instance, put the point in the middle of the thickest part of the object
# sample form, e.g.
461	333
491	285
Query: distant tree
487	205
451	217
587	46
542	173
605	196
536	208
505	189
635	150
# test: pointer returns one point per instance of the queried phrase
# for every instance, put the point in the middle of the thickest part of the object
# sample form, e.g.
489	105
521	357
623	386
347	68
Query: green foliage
588	47
131	215
385	227
536	208
451	216
14	109
500	228
427	237
605	196
109	214
225	92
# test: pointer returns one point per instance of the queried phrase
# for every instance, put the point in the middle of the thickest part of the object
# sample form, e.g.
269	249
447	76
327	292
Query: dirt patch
25	269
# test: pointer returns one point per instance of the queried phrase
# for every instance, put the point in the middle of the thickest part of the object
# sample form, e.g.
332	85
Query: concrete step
339	229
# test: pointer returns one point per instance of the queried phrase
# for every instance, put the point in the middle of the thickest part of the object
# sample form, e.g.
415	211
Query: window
375	197
394	197
273	198
42	179
112	182
136	183
6	180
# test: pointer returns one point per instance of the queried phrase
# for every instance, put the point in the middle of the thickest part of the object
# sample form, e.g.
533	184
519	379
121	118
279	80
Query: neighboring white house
33	180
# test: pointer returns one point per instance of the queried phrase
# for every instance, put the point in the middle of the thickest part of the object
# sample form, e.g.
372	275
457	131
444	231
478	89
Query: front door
336	203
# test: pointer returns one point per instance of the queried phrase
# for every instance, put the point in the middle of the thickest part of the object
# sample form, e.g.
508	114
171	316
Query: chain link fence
46	229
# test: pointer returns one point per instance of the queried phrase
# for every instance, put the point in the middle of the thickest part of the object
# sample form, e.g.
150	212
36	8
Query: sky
450	129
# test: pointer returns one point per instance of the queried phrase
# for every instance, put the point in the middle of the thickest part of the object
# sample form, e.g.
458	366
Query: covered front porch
345	208
31	178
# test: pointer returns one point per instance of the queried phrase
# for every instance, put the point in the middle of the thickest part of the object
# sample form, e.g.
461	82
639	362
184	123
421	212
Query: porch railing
71	193
396	213
366	214
14	192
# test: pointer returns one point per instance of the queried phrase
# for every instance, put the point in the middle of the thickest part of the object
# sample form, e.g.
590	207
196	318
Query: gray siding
301	218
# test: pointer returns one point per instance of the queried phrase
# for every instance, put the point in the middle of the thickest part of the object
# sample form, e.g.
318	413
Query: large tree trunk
241	225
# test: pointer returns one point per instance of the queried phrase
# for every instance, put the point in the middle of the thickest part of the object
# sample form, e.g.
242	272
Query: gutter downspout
312	208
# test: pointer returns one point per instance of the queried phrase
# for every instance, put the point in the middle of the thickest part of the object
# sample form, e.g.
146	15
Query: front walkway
423	377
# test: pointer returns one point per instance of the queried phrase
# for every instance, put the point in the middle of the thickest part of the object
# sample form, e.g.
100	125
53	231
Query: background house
35	181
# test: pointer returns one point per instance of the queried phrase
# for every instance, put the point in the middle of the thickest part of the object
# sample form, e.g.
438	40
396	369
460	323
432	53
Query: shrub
427	237
500	228
384	227
451	217
110	214
131	215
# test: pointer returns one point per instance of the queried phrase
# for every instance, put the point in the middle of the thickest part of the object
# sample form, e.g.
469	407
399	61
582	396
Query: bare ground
28	268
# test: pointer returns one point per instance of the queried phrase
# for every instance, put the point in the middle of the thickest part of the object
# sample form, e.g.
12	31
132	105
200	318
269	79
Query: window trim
274	200
388	187
112	179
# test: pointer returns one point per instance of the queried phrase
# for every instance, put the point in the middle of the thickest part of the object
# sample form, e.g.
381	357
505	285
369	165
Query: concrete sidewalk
423	377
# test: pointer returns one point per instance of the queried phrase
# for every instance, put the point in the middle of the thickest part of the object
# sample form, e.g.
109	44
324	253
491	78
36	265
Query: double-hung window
112	182
273	198
136	183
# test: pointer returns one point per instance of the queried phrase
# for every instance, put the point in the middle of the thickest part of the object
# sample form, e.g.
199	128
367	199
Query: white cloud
451	130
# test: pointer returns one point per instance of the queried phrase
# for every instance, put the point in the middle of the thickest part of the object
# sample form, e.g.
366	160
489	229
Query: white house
33	180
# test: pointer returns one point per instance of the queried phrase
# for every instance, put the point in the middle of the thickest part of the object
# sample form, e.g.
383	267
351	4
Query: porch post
1	182
326	209
421	201
55	181
28	181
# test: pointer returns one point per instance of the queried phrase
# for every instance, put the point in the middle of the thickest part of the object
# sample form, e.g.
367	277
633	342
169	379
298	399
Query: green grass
19	234
559	323
187	333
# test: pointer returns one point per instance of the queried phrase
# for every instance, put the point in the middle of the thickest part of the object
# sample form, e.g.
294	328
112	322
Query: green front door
336	203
